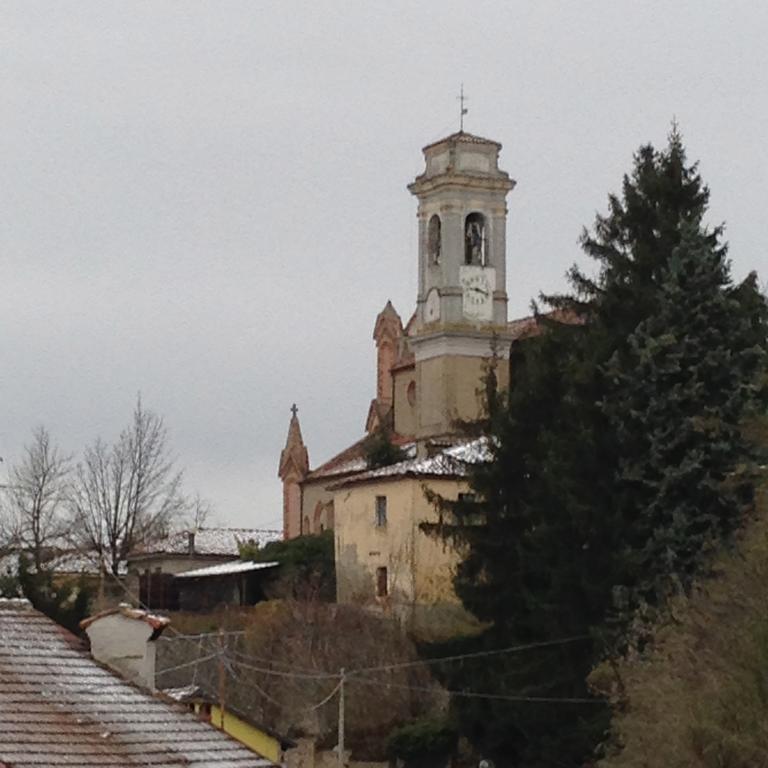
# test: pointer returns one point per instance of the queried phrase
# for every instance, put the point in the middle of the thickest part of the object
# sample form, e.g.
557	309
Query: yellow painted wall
405	413
260	742
420	568
450	387
312	494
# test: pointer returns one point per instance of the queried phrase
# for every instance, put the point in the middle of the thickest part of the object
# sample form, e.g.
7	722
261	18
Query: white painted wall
123	644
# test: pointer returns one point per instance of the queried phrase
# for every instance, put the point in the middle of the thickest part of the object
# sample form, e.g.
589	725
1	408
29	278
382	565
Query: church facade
429	376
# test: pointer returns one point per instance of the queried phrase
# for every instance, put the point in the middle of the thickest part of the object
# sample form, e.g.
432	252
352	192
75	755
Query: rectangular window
381	511
382	587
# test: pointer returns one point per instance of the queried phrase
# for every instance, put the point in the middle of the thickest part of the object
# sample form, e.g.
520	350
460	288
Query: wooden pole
222	679
341	718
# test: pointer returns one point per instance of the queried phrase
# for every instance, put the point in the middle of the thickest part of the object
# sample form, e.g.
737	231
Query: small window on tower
381	511
410	393
434	239
475	251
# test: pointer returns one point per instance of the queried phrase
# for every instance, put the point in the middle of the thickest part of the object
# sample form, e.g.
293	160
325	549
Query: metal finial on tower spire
463	111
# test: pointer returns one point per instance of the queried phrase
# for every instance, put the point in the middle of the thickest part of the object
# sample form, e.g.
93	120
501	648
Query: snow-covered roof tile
353	459
210	541
68	562
450	462
58	707
225	569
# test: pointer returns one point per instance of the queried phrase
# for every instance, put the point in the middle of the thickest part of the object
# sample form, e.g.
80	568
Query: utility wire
280	673
180	636
282	705
245	660
244	657
359	677
478	695
194	663
475	655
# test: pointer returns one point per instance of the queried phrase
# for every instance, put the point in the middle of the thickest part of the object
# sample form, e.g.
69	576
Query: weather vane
463	111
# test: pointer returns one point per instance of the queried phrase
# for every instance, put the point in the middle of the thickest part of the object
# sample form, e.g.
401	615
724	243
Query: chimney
123	639
190	542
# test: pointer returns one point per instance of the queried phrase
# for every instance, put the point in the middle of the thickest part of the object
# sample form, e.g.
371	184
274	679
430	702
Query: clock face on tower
432	307
477	286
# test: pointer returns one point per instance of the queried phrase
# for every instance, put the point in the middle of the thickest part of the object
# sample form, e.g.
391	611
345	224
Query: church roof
450	462
294	456
352	460
464	138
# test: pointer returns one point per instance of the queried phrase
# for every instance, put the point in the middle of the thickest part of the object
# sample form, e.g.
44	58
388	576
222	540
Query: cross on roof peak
463	110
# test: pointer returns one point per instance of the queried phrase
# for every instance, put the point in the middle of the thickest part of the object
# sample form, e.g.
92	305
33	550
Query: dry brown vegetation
699	699
270	667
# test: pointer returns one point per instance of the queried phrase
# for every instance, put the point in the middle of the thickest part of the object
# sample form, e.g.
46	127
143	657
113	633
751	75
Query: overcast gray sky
206	202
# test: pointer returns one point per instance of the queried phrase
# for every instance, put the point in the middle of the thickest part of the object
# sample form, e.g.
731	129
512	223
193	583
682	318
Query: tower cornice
424	185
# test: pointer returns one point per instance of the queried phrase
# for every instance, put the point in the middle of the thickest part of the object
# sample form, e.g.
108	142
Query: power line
280	673
475	655
189	663
181	636
290	670
248	658
359	677
479	695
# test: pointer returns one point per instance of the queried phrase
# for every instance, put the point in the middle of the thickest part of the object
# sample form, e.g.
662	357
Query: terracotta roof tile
58	708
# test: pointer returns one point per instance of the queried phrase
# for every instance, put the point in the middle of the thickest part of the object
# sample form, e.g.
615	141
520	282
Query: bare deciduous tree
199	513
127	494
34	500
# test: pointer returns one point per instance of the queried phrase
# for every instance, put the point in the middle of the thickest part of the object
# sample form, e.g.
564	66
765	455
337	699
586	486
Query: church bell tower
462	299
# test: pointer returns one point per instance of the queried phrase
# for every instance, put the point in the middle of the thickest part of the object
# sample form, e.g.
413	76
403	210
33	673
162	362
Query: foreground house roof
58	707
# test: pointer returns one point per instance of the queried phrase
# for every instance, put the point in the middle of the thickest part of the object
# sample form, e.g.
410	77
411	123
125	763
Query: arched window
475	244
410	393
434	239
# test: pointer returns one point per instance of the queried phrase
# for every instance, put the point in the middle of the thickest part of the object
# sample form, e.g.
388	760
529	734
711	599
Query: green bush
307	565
423	744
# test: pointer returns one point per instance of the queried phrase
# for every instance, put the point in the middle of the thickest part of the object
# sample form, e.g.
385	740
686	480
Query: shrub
422	744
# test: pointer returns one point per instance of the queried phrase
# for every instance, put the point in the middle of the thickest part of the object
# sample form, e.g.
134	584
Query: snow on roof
226	569
184	693
209	541
58	707
63	563
353	459
450	462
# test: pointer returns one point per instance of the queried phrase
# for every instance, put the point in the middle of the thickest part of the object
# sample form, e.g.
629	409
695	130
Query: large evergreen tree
676	404
615	460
